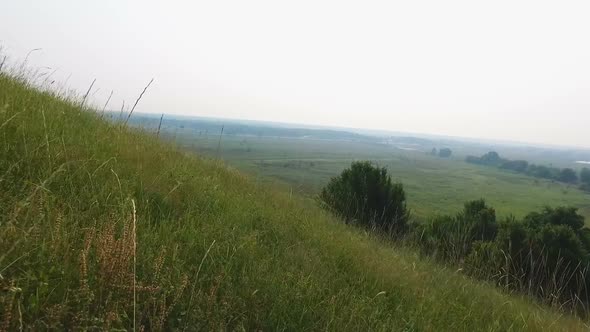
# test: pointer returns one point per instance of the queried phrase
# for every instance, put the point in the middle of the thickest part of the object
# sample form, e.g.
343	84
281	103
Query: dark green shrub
365	195
473	159
491	158
445	238
568	175
481	218
559	216
546	255
451	238
540	171
515	165
512	236
445	153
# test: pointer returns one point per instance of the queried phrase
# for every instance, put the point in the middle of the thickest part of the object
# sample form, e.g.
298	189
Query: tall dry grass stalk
87	93
196	279
219	142
8	304
105	104
108	273
137	101
160	125
134	263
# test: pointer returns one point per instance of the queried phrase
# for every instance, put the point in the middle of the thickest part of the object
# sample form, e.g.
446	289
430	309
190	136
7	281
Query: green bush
546	255
481	218
365	195
445	153
444	238
451	238
519	166
568	175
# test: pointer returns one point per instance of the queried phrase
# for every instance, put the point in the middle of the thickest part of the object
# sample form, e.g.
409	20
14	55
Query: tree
585	179
434	152
540	171
491	158
445	152
515	165
568	175
365	195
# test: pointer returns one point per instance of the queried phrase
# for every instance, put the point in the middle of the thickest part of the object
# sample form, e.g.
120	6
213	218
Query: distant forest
205	127
565	175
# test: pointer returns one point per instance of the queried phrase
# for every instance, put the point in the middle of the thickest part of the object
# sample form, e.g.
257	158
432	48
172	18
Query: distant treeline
566	175
213	127
443	152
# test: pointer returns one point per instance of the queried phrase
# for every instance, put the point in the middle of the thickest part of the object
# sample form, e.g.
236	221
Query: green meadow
433	185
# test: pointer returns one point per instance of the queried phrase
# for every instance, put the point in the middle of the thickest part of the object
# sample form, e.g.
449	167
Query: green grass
215	250
433	185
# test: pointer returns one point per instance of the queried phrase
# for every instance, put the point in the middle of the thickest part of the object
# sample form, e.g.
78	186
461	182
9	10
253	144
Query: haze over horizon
507	70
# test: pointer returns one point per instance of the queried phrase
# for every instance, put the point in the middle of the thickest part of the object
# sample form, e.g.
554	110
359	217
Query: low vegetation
546	255
107	228
443	152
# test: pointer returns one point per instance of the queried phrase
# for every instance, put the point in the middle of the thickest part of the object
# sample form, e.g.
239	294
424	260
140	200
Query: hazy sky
516	70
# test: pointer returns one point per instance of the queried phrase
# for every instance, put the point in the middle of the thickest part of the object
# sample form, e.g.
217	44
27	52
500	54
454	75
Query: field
108	228
433	185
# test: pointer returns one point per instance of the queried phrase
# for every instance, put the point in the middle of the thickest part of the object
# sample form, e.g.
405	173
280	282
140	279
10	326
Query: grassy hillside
104	227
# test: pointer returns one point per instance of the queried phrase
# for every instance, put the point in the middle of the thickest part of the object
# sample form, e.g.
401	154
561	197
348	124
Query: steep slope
213	250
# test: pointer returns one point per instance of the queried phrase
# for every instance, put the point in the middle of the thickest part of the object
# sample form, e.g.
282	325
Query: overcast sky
513	70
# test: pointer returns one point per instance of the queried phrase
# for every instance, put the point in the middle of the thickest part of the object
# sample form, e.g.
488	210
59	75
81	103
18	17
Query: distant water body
583	162
407	149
